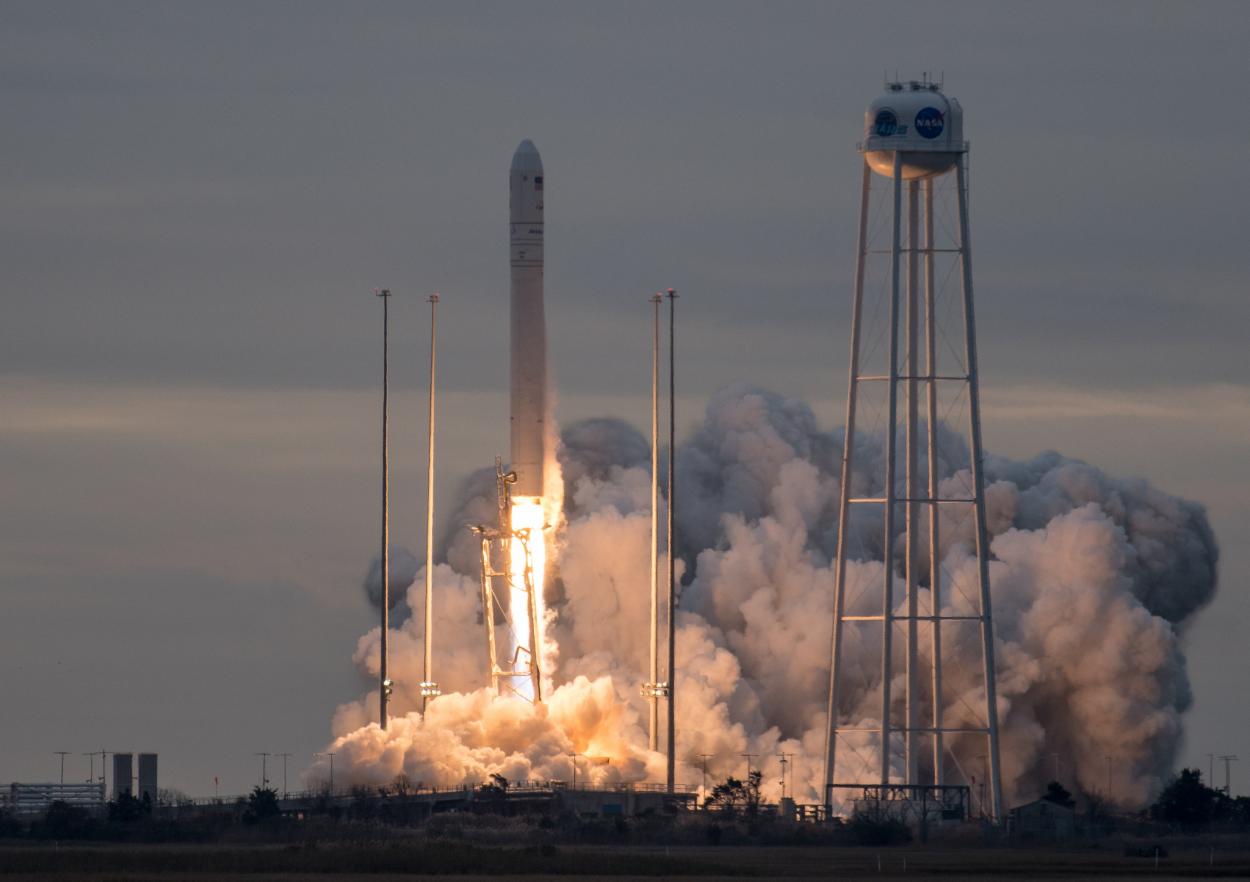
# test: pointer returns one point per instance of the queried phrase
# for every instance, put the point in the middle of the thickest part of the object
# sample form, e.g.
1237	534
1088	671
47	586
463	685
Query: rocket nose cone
526	158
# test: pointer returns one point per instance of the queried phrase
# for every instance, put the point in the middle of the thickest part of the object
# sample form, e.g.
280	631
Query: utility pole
264	768
574	756
284	756
672	563
62	754
1228	785
749	757
384	683
330	754
429	687
104	780
1211	770
91	774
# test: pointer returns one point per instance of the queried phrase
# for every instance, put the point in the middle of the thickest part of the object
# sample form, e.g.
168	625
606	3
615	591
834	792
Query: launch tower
914	751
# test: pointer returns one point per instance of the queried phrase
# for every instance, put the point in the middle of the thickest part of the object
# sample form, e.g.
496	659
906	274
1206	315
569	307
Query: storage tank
916	120
123	775
147	776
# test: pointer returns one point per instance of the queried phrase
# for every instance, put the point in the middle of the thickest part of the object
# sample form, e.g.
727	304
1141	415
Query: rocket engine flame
527	566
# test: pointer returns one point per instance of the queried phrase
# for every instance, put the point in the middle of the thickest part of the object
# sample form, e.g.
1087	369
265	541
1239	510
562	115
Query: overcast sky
197	199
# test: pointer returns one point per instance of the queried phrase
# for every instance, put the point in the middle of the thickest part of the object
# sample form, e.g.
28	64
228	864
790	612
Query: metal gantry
524	663
915	373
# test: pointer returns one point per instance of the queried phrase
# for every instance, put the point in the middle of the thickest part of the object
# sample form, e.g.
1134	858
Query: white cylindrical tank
918	122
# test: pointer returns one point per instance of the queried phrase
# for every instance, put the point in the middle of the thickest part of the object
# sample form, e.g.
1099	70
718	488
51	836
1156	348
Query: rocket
528	340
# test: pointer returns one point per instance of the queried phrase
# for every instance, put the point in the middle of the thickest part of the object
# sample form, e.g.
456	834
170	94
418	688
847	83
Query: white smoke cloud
1093	579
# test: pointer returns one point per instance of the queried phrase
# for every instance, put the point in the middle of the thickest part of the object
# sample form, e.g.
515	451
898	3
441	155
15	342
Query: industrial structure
32	799
913	137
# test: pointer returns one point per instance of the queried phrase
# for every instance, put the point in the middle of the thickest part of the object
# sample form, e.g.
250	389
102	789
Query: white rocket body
528	325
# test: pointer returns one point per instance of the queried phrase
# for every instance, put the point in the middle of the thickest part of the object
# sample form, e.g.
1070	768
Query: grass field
407	861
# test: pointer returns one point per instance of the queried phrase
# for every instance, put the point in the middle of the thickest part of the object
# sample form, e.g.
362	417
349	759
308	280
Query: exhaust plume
1093	578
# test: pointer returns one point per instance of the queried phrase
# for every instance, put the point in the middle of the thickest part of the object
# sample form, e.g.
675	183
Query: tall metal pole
384	684
429	688
844	494
887	605
911	508
653	700
931	418
672	562
978	478
264	768
62	754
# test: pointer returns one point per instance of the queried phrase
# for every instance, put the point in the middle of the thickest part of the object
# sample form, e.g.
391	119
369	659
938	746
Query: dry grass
92	863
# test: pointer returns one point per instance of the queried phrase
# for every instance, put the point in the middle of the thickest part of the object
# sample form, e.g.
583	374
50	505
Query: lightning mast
429	686
384	683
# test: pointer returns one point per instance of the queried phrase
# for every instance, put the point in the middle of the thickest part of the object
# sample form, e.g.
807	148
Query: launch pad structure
524	664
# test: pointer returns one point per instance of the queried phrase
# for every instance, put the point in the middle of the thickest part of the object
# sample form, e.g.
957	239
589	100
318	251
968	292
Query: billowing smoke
1093	580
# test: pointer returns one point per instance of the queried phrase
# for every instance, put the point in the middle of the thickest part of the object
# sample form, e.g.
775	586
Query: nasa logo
886	123
929	122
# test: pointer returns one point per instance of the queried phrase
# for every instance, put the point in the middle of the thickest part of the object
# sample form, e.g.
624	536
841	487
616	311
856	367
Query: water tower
925	517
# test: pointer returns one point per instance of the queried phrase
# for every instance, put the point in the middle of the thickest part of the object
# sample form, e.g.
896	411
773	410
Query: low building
33	799
1043	819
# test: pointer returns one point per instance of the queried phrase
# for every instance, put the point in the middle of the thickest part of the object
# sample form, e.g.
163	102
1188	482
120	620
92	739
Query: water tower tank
917	121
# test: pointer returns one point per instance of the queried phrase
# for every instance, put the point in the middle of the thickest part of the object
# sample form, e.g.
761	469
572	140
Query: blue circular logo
886	123
929	122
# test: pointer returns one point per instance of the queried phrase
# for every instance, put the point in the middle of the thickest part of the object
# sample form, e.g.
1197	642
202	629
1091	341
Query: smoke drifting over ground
1093	580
